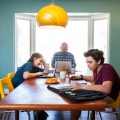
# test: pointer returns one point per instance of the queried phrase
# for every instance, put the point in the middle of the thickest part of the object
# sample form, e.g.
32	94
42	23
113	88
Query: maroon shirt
108	73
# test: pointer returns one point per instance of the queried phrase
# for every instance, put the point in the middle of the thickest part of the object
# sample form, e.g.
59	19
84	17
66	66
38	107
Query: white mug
62	75
72	70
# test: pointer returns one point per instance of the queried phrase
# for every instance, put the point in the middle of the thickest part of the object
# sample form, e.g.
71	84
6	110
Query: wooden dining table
33	94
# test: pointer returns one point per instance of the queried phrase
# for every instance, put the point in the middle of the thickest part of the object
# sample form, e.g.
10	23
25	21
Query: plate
51	81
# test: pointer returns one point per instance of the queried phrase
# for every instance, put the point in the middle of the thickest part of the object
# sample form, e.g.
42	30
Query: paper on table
80	81
60	85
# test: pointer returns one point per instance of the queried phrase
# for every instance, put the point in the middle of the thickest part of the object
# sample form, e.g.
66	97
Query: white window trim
80	16
32	34
101	17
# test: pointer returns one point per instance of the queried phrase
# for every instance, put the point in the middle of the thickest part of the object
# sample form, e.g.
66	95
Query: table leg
16	114
92	115
75	114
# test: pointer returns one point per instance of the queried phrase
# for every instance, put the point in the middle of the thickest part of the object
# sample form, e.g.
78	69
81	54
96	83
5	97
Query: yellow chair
7	81
114	105
11	75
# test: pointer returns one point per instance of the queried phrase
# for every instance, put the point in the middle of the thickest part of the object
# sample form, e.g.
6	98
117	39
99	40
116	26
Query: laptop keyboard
81	93
50	75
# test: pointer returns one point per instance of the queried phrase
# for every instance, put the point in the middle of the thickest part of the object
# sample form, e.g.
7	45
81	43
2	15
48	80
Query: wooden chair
7	81
114	105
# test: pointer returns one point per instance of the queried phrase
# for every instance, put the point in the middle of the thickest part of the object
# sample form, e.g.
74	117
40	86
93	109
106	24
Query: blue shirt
60	56
27	67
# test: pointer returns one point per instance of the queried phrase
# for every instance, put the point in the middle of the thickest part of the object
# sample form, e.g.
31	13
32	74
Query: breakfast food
51	80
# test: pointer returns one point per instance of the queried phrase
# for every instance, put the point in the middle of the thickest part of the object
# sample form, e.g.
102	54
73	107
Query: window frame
32	34
91	17
102	17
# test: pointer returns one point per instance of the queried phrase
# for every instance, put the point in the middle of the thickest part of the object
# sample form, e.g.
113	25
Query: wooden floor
64	115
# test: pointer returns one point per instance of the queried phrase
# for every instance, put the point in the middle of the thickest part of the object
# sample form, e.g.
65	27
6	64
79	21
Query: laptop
49	75
63	66
77	95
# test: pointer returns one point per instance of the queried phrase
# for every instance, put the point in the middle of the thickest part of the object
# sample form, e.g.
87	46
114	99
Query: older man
63	55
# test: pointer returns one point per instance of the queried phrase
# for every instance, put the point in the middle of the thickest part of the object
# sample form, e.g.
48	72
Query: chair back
115	104
5	81
11	75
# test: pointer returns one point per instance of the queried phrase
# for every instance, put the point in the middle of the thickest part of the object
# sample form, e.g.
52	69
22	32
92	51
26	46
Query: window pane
22	41
75	34
100	36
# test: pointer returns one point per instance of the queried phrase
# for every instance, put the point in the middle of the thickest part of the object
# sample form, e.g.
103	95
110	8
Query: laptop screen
63	66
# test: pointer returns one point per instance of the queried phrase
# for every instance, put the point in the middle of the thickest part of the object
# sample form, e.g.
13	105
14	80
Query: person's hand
43	61
39	73
75	86
45	71
47	66
75	77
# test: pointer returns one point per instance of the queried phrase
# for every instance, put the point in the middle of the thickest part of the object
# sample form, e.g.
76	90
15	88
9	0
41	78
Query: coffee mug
62	75
72	70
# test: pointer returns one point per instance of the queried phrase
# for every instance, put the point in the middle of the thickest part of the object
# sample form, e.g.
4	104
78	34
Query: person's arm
46	67
88	78
105	87
28	75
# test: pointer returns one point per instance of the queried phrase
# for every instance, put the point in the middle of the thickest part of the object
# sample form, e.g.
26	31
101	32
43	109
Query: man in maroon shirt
105	77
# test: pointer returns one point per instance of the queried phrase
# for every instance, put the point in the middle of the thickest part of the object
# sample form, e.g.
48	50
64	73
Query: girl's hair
35	55
95	54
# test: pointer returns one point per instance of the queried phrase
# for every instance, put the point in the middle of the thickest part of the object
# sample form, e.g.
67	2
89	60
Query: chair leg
100	115
114	110
5	118
6	115
1	115
9	116
28	113
75	115
36	115
88	115
92	115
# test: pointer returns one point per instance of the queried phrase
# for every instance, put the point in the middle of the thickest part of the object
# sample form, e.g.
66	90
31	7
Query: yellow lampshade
52	15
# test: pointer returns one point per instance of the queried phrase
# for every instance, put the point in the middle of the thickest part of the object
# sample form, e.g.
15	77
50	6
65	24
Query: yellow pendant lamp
52	15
